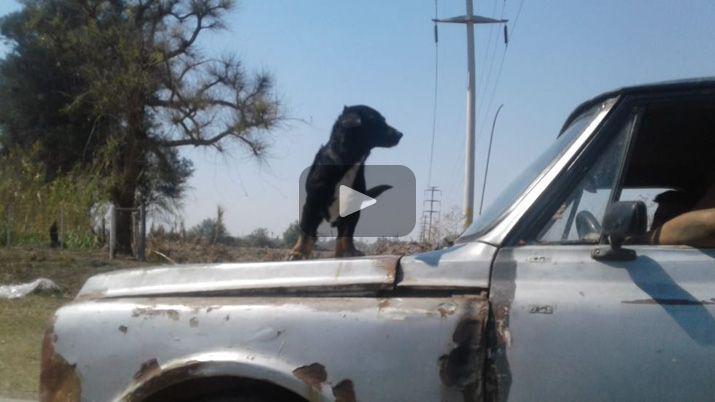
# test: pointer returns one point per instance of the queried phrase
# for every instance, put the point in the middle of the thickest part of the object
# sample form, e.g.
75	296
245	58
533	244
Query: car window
497	208
578	218
670	170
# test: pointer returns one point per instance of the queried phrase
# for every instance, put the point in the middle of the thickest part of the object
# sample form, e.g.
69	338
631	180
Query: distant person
54	236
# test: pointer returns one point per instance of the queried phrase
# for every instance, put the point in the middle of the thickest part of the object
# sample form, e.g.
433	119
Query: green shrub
30	203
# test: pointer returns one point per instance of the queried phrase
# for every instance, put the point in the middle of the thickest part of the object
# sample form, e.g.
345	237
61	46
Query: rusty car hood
324	276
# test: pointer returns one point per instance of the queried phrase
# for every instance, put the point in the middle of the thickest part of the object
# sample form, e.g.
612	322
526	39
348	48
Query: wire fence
68	227
22	224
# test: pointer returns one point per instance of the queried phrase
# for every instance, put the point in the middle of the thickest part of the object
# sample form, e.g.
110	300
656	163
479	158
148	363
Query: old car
549	295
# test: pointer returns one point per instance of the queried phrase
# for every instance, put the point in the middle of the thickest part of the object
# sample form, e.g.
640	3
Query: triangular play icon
351	201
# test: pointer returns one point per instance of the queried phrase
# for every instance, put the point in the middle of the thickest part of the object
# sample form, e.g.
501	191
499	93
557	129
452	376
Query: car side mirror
622	219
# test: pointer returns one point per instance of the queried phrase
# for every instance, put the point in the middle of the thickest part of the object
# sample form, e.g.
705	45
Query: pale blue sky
325	54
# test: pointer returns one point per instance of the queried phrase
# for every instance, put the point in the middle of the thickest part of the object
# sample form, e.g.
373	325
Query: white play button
387	198
351	201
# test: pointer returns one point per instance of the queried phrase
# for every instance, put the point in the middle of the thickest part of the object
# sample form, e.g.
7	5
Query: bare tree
147	73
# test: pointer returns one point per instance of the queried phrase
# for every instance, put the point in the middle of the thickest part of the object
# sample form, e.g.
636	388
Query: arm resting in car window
695	228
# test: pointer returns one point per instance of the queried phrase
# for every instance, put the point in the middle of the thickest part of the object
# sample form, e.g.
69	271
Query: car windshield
510	194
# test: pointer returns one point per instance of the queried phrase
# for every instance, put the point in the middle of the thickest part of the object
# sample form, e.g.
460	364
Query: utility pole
470	19
471	122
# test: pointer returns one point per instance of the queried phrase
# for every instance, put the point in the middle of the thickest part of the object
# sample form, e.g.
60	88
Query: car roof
664	86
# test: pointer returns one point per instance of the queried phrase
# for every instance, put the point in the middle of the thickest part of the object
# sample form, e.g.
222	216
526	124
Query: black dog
341	161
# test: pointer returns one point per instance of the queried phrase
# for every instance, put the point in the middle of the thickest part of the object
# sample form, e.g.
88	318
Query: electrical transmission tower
430	212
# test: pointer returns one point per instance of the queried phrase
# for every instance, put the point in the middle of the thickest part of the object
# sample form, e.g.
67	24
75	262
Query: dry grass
22	324
22	321
382	247
196	251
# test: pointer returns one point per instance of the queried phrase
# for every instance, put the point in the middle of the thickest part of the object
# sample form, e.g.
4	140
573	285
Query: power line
428	214
493	92
434	100
516	19
494	89
491	57
501	65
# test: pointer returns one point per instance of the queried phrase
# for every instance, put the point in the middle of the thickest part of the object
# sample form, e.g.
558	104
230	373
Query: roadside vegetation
113	90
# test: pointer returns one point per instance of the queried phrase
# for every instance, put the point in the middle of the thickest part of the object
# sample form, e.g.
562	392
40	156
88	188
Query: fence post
8	231
103	237
112	230
142	233
62	227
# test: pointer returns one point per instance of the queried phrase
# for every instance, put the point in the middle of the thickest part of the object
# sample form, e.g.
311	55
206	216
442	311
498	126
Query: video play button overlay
351	201
392	213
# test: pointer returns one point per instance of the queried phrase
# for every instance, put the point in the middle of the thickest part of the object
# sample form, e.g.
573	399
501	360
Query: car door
579	329
569	327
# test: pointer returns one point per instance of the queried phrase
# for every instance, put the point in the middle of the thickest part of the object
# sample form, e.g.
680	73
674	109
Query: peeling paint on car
446	309
147	369
344	391
462	367
313	374
150	378
151	312
58	378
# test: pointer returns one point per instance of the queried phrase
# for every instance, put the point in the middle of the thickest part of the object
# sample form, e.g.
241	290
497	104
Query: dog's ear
350	120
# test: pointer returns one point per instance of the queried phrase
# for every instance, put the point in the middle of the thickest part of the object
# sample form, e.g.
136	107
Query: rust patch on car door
344	391
462	368
150	378
148	369
313	374
498	335
58	379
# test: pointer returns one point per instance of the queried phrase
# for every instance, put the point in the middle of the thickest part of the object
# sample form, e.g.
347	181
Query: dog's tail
377	190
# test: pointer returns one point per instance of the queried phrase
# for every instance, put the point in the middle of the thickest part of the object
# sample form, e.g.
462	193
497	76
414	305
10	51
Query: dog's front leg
303	248
309	222
344	246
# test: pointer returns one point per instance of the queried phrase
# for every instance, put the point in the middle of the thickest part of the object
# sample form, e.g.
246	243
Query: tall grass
30	204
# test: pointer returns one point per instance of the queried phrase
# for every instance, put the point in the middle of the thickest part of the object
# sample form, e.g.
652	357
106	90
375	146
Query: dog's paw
350	253
296	256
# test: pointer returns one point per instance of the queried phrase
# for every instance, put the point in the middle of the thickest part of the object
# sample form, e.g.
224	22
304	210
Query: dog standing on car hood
341	161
